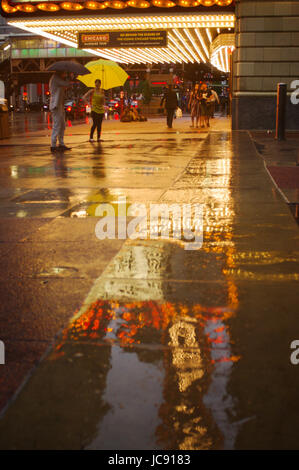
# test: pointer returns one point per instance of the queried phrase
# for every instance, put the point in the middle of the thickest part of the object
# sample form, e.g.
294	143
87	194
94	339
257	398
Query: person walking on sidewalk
171	104
97	109
194	105
57	85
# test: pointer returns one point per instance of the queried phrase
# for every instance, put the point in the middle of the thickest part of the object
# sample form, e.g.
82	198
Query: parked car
74	109
35	106
113	106
134	103
15	109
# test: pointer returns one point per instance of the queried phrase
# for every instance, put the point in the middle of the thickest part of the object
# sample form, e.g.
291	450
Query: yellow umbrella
110	74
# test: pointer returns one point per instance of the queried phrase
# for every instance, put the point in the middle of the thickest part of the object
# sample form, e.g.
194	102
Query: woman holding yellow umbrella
97	108
107	74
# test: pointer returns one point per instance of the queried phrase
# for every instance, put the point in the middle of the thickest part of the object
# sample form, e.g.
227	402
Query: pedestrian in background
204	98
57	85
213	100
171	103
194	105
97	109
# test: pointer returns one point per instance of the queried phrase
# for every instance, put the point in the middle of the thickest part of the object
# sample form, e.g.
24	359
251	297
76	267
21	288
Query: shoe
100	140
54	149
64	147
91	140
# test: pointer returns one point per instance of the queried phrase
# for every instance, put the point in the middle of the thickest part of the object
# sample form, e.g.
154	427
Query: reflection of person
97	109
57	86
171	103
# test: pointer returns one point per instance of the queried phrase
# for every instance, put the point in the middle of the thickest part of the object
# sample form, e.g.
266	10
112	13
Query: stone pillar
267	52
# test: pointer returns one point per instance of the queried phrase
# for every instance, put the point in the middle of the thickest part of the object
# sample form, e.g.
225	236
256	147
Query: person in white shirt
213	100
57	86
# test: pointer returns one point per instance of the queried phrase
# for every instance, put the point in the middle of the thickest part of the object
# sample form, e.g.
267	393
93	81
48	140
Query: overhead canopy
186	34
36	7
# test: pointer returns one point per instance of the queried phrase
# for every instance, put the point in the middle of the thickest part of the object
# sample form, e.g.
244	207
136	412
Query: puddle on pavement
58	271
23	210
44	196
162	359
147	361
170	358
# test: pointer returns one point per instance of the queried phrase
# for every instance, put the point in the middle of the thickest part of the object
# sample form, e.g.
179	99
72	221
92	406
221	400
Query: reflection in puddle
146	361
127	382
181	346
170	360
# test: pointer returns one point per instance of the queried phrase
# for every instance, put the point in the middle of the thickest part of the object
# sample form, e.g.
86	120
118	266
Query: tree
145	88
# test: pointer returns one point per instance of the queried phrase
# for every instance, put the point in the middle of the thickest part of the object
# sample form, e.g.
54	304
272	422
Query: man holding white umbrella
57	86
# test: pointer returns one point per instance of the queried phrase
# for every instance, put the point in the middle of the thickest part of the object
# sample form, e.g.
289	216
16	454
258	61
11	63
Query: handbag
178	113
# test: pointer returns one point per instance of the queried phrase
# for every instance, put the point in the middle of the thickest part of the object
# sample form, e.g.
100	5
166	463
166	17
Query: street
139	343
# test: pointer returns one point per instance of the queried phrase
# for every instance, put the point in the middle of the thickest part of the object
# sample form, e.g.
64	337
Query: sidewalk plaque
121	39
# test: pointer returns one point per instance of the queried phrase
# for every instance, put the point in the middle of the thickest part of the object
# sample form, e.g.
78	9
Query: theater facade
256	41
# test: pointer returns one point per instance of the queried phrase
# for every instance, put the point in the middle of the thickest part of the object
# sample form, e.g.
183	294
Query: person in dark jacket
171	104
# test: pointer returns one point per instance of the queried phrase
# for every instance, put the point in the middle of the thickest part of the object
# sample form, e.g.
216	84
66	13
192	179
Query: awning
190	32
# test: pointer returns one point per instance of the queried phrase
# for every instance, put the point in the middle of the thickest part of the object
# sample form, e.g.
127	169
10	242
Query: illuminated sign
123	39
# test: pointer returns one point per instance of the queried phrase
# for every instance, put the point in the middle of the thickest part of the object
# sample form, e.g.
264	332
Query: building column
267	53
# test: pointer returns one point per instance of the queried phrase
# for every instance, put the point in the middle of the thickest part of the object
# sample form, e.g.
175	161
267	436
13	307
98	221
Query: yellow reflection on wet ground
189	341
170	348
192	339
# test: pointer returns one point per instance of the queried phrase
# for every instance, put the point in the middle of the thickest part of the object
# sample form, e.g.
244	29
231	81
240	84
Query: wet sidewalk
282	164
159	347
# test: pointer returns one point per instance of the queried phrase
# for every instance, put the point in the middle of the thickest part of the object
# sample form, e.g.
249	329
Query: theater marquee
36	8
133	31
123	39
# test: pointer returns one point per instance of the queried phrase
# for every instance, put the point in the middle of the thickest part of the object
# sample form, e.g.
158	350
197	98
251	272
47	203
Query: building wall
267	53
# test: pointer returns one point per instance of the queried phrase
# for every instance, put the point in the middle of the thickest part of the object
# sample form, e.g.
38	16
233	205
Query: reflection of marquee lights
195	339
188	36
